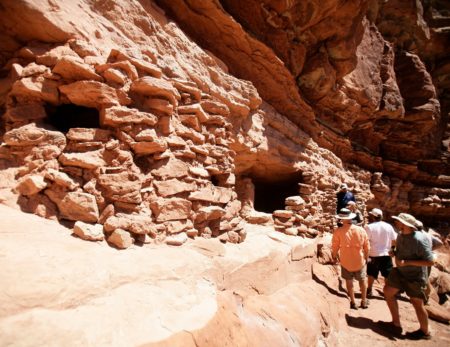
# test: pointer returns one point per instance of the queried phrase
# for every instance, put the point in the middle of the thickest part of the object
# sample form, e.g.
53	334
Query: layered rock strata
375	96
113	117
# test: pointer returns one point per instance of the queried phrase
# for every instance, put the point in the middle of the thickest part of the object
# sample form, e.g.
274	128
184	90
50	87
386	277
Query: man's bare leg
370	281
350	291
421	313
391	300
363	288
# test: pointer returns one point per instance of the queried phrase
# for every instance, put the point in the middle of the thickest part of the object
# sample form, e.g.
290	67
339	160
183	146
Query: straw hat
345	213
406	219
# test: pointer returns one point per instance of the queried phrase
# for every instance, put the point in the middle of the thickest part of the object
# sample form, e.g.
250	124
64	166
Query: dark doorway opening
271	195
64	117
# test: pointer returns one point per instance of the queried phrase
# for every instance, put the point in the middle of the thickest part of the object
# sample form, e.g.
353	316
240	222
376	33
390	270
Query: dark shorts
350	275
414	289
381	264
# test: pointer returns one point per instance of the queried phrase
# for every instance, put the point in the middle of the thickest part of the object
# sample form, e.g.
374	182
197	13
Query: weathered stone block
171	209
89	232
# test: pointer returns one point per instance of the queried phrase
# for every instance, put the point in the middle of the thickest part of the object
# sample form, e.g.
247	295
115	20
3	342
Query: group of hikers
364	252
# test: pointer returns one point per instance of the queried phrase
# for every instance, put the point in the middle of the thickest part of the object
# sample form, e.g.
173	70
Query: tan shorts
353	275
414	289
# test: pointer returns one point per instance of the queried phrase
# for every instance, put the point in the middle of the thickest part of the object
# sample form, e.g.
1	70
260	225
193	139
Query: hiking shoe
353	306
364	304
418	335
390	327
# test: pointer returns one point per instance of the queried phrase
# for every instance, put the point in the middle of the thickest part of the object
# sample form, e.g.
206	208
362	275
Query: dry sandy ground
57	290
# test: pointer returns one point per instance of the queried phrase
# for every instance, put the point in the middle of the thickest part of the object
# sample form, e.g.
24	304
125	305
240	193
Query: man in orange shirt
352	244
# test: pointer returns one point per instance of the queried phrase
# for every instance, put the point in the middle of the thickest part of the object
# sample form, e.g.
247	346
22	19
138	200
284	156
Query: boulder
61	179
74	68
212	194
145	147
173	186
291	231
215	107
136	223
88	134
160	105
294	201
125	66
121	187
26	112
172	168
199	171
77	206
151	86
86	160
209	213
94	94
177	226
139	63
196	109
52	56
89	232
120	239
31	185
32	135
283	214
119	115
176	240
171	209
37	88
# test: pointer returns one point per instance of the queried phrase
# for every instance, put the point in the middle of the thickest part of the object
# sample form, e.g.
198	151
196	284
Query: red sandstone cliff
141	122
110	106
111	115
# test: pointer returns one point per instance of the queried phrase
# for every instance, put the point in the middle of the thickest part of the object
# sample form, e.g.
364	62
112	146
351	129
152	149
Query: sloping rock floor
57	290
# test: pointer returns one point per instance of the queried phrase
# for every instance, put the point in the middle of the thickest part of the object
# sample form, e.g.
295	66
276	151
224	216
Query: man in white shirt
381	237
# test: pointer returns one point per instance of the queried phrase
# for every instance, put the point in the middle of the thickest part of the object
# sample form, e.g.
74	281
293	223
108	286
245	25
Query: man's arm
366	246
335	242
401	263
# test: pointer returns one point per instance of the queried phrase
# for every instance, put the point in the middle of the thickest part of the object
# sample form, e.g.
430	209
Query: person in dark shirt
412	256
359	219
343	197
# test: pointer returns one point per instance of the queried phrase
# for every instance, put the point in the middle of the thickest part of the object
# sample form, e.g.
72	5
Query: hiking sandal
364	304
418	335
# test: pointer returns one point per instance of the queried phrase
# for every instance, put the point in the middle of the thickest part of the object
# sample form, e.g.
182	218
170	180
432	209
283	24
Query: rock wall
114	119
378	98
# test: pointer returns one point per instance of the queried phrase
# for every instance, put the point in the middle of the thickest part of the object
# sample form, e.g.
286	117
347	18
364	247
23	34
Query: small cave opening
271	195
66	116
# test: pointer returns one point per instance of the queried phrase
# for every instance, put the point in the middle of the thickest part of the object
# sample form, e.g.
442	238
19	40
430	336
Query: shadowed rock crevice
67	116
271	195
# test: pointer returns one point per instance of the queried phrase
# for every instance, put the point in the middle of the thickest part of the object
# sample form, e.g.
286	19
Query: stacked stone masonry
144	175
169	139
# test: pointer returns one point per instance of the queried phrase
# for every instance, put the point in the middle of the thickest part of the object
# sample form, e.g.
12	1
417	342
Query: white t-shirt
381	235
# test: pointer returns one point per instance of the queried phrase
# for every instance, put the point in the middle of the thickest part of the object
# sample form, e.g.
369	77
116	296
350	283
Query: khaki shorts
350	275
414	289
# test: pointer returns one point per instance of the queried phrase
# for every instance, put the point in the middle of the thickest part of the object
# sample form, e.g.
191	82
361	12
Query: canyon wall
147	121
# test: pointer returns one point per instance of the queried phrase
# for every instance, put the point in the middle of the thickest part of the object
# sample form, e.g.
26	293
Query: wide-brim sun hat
406	219
345	213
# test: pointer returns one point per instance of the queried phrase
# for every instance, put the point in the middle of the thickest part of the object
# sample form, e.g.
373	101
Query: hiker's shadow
366	323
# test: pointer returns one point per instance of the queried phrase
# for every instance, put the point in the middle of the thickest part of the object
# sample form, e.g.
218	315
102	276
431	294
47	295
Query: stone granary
136	133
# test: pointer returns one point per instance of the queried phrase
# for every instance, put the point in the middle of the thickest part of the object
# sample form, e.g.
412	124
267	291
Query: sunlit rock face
372	73
156	122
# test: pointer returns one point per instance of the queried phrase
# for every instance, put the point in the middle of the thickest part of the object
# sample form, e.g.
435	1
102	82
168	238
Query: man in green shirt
412	256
